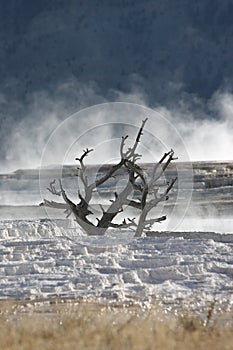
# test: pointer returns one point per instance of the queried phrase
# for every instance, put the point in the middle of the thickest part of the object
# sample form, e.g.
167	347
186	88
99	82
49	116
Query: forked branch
52	188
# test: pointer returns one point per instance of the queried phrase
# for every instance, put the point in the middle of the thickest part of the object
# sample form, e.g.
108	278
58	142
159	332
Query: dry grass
88	325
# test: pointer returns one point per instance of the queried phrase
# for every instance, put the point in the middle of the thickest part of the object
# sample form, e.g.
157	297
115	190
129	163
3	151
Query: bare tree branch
161	166
132	203
117	204
124	224
148	195
131	150
85	153
123	138
82	169
149	205
52	188
150	222
53	204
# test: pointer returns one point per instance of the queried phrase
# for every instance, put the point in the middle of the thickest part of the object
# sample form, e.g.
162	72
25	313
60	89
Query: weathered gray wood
137	179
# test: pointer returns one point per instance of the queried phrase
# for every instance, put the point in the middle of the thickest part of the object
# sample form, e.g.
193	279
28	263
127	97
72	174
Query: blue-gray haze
88	51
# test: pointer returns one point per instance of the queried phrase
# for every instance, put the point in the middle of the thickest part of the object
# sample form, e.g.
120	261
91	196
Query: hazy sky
59	56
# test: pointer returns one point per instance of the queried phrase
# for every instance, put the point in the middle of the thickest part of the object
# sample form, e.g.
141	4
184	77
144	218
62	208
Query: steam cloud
206	128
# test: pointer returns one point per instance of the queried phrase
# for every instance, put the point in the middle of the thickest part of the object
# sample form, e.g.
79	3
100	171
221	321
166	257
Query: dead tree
147	187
